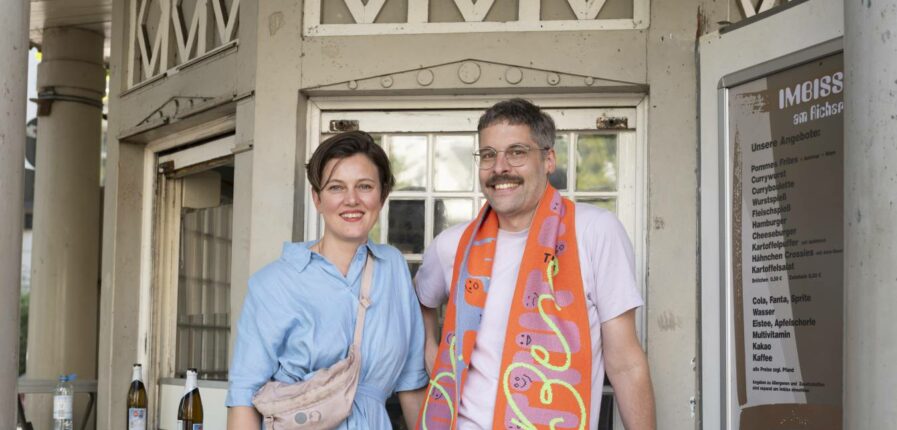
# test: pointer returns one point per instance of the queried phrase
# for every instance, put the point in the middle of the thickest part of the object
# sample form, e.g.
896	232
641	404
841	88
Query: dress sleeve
429	283
260	337
414	372
614	289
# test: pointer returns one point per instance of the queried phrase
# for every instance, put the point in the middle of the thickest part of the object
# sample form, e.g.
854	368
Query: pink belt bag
325	400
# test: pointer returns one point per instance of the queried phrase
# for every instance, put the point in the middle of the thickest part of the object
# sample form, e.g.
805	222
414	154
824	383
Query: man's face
514	192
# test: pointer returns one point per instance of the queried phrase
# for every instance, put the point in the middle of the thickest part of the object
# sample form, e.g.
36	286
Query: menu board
787	144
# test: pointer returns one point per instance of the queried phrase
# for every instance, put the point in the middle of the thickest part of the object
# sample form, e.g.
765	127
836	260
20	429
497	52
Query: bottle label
136	418
180	426
62	407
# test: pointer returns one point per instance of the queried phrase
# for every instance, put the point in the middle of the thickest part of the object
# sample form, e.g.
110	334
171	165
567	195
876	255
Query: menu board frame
758	396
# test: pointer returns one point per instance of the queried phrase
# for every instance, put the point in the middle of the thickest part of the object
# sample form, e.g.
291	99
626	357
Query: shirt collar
300	255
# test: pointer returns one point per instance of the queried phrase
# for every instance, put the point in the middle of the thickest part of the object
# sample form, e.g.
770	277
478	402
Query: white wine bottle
137	400
190	409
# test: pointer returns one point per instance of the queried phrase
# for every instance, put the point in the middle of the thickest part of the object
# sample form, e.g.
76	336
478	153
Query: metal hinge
612	123
339	125
166	167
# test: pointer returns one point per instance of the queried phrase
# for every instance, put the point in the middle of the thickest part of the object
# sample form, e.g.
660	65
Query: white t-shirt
608	269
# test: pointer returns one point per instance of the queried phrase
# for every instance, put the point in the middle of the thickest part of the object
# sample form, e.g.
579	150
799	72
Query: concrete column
870	205
13	87
62	326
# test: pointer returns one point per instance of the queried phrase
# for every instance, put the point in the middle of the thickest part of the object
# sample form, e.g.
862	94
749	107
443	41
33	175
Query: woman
299	314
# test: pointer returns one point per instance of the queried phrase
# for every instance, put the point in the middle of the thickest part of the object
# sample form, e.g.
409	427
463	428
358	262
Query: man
541	298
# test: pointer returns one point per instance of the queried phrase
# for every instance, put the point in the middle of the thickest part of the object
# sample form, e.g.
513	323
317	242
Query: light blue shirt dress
299	317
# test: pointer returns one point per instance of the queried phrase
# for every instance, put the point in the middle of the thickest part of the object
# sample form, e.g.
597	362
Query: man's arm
431	337
411	402
627	369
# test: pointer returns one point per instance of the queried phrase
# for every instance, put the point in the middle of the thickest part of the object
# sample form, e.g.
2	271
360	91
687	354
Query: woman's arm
243	418
411	402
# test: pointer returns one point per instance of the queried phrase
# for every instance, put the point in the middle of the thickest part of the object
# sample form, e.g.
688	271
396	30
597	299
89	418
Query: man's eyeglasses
515	155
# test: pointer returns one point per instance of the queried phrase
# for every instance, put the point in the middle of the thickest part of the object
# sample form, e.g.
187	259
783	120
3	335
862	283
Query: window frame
157	320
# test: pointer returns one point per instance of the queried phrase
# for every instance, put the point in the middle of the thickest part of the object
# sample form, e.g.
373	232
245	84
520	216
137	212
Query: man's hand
430	351
431	342
627	369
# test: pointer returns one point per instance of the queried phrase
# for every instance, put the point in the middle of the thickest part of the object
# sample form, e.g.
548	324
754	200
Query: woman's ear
316	199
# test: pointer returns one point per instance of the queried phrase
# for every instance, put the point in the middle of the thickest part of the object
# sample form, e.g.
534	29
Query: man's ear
550	161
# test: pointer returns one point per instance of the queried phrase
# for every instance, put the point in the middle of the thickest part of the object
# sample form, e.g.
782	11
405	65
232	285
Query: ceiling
95	15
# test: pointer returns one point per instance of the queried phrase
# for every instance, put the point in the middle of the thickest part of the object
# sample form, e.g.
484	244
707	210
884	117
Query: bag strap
364	301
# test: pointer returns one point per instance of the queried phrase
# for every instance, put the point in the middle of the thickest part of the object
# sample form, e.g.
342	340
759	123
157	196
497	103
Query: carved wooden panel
753	7
197	27
473	17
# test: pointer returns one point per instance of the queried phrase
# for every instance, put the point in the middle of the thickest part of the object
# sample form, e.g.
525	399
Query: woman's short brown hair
345	145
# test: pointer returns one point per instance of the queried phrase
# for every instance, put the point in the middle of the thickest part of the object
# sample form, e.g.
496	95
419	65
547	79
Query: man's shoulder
450	236
591	217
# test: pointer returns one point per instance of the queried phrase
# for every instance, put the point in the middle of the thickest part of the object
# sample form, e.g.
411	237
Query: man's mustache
504	178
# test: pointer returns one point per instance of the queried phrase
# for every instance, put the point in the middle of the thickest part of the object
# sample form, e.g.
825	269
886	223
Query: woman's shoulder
386	252
283	270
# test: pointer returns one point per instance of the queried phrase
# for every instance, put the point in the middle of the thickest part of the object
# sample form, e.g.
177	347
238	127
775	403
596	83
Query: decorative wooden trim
750	9
198	26
364	13
149	58
473	13
419	11
586	9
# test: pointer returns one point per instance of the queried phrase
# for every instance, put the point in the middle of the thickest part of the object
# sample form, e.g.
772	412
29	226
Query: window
194	213
203	316
436	176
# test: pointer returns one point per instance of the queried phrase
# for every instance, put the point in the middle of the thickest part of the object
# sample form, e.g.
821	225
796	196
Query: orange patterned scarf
545	378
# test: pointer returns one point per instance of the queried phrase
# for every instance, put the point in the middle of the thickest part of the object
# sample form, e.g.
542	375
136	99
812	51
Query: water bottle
62	403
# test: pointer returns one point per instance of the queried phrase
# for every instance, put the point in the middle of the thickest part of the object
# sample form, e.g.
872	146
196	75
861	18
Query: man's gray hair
518	111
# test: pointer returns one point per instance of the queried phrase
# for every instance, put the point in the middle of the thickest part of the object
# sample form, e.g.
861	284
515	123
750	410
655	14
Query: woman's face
350	199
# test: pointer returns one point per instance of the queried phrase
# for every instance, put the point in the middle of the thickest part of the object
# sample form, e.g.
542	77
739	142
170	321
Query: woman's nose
352	197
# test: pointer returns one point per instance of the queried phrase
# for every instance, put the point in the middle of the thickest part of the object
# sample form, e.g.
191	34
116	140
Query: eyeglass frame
477	155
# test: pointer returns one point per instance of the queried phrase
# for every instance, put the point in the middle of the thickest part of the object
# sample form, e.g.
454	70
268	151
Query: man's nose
501	162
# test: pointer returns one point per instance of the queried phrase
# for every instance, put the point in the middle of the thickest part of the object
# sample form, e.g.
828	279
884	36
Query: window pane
454	163
448	212
203	318
408	159
608	203
413	266
606	416
596	163
406	225
558	179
